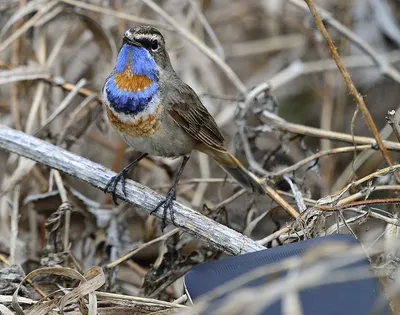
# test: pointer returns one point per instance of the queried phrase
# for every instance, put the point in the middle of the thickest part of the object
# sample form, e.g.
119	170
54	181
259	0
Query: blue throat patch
141	63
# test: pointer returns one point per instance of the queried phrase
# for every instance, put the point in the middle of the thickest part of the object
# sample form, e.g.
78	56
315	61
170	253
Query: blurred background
55	57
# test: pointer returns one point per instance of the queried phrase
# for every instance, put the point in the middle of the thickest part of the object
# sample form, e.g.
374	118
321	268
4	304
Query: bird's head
148	39
140	63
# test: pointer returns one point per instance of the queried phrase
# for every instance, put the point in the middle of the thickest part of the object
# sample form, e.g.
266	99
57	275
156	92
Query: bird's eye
154	45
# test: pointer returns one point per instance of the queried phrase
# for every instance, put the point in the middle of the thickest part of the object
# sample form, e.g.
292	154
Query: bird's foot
167	205
112	184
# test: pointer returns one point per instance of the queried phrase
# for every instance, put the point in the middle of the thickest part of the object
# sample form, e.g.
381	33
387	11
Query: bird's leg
170	197
111	186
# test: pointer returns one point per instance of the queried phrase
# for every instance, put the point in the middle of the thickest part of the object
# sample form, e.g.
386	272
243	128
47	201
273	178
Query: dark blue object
353	297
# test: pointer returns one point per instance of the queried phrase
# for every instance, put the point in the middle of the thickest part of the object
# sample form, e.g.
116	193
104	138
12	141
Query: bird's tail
233	167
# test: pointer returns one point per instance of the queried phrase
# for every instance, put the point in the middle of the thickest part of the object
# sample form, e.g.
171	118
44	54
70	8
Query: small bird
156	113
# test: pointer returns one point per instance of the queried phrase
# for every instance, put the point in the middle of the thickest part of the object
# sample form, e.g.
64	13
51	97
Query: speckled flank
141	127
127	81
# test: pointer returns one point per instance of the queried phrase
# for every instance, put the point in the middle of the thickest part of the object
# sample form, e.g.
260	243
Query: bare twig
143	246
271	192
391	119
282	202
380	61
139	300
14	224
297	69
383	171
318	155
249	155
353	206
298	196
119	15
264	46
64	199
63	106
350	85
208	29
319	133
27	25
190	221
199	44
204	167
273	236
361	159
367	191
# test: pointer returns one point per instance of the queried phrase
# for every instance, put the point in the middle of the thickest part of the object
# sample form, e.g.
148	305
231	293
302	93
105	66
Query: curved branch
97	175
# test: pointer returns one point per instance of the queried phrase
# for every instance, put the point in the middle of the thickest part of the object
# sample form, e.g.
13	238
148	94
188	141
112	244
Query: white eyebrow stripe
146	36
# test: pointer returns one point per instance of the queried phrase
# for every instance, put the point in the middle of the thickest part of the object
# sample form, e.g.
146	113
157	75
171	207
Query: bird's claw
167	205
112	184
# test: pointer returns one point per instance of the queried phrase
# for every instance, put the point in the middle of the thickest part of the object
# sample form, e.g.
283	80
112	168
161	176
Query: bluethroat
158	114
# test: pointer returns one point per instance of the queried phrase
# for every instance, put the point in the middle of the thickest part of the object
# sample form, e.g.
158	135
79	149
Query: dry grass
263	70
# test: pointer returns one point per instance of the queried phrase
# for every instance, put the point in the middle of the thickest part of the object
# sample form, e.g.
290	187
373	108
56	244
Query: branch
359	100
280	124
384	66
97	175
199	44
391	119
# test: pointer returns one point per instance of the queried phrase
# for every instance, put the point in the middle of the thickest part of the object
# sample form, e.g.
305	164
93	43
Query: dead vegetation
325	142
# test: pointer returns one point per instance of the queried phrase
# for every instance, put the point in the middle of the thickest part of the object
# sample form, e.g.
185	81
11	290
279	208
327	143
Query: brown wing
186	109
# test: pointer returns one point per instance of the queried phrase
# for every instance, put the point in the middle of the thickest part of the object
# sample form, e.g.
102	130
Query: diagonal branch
97	175
350	85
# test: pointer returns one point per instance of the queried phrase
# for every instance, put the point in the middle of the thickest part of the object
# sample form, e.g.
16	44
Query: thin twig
368	191
14	224
273	236
139	300
208	29
67	101
199	44
15	35
383	171
141	247
282	202
371	202
271	193
318	155
361	159
249	155
67	215
264	46
116	14
350	85
319	133
391	119
297	69
298	196
380	61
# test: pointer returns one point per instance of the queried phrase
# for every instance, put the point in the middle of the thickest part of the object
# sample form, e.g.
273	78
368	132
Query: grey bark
192	222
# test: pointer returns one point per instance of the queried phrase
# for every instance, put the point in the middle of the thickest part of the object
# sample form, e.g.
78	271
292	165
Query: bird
158	114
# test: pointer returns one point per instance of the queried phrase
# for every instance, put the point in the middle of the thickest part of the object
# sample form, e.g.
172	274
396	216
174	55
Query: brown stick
350	85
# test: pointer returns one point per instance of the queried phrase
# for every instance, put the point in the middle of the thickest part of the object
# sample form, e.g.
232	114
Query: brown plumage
183	123
195	119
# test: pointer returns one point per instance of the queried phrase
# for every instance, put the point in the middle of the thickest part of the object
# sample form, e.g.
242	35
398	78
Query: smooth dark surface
353	297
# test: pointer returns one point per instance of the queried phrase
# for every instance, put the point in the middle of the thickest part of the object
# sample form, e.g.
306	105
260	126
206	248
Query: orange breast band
140	127
129	82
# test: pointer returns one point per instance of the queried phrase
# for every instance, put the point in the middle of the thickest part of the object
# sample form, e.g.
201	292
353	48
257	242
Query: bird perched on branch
158	114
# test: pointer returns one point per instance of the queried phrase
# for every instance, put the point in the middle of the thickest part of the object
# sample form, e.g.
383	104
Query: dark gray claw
112	184
167	205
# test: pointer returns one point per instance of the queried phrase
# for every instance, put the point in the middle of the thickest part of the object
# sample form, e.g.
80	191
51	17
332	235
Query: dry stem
350	85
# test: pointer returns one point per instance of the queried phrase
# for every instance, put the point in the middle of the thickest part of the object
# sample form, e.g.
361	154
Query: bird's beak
131	42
